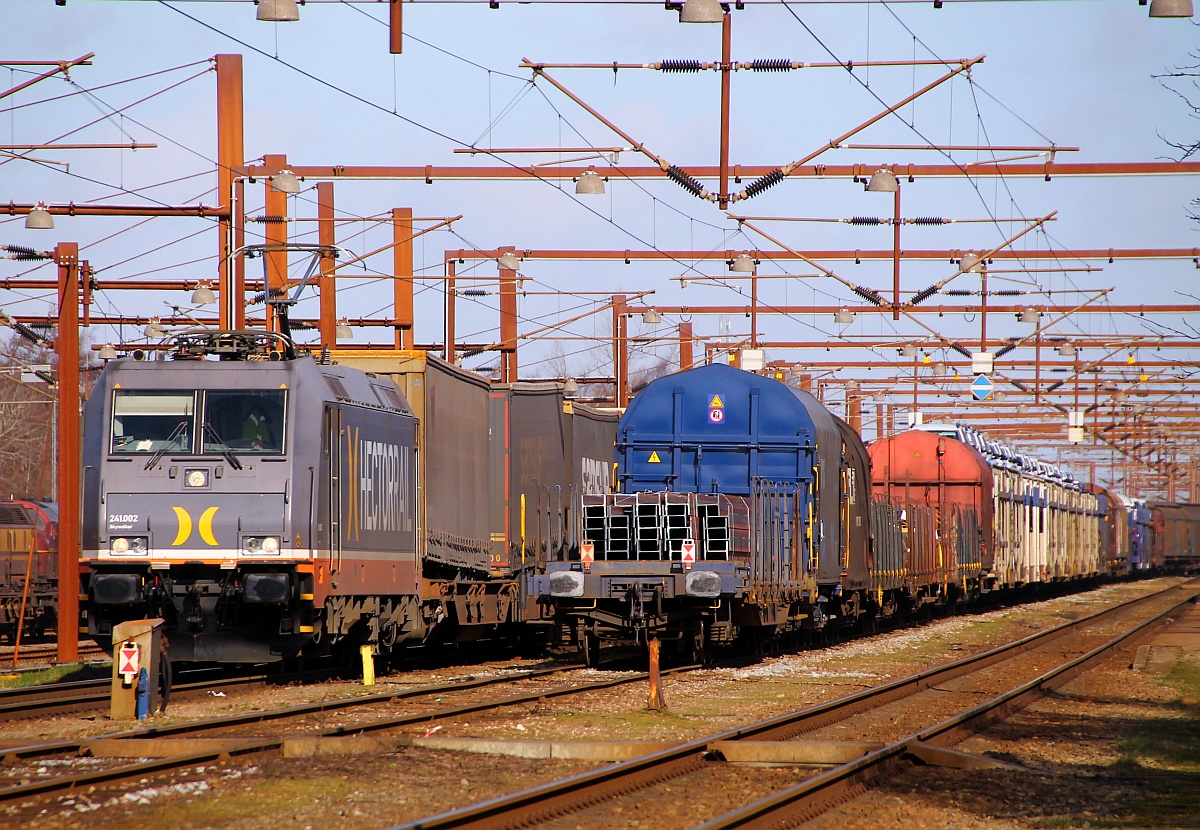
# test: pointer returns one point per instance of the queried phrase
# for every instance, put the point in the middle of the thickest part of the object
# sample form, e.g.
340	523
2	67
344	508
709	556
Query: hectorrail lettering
384	476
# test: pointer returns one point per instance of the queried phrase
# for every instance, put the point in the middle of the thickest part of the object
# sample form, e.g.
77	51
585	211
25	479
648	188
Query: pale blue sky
1068	73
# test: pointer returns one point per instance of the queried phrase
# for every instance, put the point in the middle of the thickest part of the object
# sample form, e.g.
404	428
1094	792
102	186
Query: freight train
268	504
28	567
745	510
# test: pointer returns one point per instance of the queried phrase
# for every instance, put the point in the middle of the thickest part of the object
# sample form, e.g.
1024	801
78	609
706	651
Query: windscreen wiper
154	459
225	451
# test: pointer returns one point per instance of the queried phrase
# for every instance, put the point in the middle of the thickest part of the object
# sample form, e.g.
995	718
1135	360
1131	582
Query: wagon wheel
697	647
164	681
590	644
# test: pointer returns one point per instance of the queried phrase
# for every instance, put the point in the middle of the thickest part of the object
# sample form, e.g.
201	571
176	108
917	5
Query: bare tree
26	420
28	402
558	363
650	369
1184	82
653	351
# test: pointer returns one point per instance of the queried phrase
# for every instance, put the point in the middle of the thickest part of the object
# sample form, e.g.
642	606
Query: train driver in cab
257	429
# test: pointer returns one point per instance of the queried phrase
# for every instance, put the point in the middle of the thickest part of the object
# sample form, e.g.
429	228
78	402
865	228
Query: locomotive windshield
243	421
233	421
147	422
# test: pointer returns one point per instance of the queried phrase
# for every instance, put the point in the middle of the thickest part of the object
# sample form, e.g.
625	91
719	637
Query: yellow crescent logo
185	526
206	532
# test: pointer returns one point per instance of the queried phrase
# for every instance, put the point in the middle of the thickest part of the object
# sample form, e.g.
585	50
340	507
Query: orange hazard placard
587	552
129	661
688	549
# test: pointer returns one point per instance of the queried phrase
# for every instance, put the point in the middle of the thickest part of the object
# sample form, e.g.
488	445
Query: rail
808	799
557	798
236	746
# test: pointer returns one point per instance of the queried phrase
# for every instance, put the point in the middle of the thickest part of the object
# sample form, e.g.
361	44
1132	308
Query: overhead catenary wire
410	121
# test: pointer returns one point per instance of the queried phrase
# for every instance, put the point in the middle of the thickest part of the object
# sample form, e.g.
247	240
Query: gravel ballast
1117	747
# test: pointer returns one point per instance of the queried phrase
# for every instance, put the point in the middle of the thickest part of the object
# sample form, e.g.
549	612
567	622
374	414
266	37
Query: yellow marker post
522	530
368	663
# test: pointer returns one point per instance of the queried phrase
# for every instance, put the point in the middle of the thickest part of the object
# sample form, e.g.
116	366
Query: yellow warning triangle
917	454
716	403
654	459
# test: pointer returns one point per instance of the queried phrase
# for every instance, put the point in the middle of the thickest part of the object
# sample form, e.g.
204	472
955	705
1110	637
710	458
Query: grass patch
1164	755
54	674
1170	743
294	797
1175	803
621	722
730	707
1186	678
1166	801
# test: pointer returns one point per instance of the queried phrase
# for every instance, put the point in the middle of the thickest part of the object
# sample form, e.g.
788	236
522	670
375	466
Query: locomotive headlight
195	478
261	545
129	545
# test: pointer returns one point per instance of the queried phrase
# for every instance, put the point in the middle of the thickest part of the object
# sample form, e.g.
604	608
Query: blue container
714	428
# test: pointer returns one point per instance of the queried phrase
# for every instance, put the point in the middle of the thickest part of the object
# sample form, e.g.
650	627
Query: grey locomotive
258	502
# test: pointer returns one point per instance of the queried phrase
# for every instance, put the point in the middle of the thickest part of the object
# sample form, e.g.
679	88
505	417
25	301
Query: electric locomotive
254	499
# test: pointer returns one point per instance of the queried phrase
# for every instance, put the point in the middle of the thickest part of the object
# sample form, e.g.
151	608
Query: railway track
83	695
78	696
183	736
171	747
46	654
929	745
635	778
